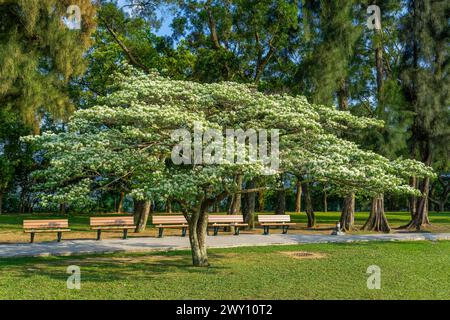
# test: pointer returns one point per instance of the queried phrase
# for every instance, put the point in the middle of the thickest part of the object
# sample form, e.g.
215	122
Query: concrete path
175	243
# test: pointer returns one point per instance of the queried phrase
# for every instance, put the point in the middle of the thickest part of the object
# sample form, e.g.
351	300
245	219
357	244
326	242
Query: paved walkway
67	247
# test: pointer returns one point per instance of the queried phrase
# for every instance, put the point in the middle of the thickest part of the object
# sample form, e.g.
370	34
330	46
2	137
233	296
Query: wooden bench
275	220
229	220
162	222
46	226
112	223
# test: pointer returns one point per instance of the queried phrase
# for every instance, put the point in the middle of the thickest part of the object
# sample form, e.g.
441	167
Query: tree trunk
252	198
198	224
441	206
248	205
217	206
413	199
298	196
281	198
169	206
23	201
343	95
348	209
422	205
281	202
379	65
236	199
347	219
1	202
141	213
421	219
325	201
62	208
120	205
308	205
261	201
377	220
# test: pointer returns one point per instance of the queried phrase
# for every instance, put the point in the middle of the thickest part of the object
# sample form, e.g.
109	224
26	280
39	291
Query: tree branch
262	61
212	26
125	49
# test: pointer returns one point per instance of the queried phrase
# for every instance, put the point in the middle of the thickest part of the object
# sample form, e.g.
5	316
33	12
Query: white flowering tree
346	169
128	138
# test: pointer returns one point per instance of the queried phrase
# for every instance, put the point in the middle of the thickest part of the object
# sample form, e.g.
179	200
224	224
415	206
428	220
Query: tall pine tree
39	54
425	82
326	71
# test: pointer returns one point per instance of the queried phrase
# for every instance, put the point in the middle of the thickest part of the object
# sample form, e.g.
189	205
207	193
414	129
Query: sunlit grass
409	270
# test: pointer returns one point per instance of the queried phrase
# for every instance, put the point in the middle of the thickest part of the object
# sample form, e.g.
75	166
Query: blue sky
165	27
166	16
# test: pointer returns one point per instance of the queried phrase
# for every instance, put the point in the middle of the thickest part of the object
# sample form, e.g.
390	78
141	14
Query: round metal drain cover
304	254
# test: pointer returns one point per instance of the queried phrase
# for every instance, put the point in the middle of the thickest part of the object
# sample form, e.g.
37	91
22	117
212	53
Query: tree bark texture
248	205
120	205
280	206
198	223
298	196
141	213
377	220
421	219
235	205
347	219
308	205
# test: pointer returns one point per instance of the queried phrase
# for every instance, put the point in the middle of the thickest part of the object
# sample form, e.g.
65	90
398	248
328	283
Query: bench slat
161	220
113	227
226	218
274	218
219	224
171	226
278	223
46	224
111	221
45	230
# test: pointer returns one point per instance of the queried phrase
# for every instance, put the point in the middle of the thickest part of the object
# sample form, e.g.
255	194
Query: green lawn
409	270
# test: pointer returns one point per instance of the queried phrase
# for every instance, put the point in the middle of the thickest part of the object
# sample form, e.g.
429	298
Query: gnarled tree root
377	220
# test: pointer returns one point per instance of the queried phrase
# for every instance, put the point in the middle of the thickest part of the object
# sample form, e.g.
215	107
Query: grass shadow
111	267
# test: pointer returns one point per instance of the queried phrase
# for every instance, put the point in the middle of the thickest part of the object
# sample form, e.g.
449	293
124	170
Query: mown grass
11	225
409	270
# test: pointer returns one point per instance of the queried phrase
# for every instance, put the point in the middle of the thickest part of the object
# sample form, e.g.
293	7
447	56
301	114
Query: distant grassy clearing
11	225
409	270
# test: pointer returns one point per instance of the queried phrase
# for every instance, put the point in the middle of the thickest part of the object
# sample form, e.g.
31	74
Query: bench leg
236	231
59	236
216	230
285	229
125	234
183	232
99	234
160	232
266	230
32	237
